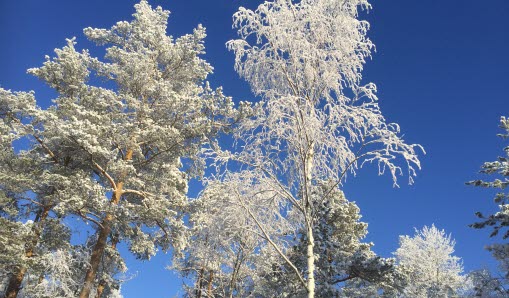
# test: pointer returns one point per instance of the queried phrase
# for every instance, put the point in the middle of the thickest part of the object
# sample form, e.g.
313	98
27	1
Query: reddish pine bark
102	238
16	279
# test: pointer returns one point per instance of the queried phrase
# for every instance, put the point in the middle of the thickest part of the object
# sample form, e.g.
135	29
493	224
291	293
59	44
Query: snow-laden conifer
344	263
498	221
120	141
29	232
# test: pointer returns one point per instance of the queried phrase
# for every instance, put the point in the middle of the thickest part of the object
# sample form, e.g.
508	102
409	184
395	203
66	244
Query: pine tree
344	263
29	231
498	221
122	138
483	284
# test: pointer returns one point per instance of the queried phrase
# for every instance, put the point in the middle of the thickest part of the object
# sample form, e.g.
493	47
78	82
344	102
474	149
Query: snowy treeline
112	157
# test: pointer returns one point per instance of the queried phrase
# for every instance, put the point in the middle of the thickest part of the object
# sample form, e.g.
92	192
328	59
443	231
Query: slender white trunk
311	263
309	222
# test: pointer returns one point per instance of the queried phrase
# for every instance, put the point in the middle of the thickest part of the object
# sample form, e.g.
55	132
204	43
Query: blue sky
442	71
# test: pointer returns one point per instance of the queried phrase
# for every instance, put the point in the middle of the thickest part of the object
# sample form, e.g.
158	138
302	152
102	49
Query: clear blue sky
442	68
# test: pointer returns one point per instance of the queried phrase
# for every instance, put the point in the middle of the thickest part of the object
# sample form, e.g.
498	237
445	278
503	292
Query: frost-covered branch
317	121
274	245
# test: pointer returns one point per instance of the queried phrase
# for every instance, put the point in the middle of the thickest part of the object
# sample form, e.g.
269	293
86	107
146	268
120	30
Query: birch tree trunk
16	279
309	221
235	271
311	262
199	285
102	238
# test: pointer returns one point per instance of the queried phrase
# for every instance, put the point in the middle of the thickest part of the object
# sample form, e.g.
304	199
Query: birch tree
224	255
433	269
318	122
120	153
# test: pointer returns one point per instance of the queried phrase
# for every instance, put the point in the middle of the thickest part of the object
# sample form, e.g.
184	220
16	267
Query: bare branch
105	174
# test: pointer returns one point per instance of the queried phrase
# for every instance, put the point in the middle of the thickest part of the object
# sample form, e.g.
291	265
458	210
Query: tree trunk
102	238
236	268
200	282
97	254
211	278
311	262
16	279
102	283
15	283
309	221
100	289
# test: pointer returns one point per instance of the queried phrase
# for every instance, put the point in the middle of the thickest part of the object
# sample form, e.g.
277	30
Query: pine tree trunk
211	278
102	283
16	279
97	254
100	289
103	233
15	283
